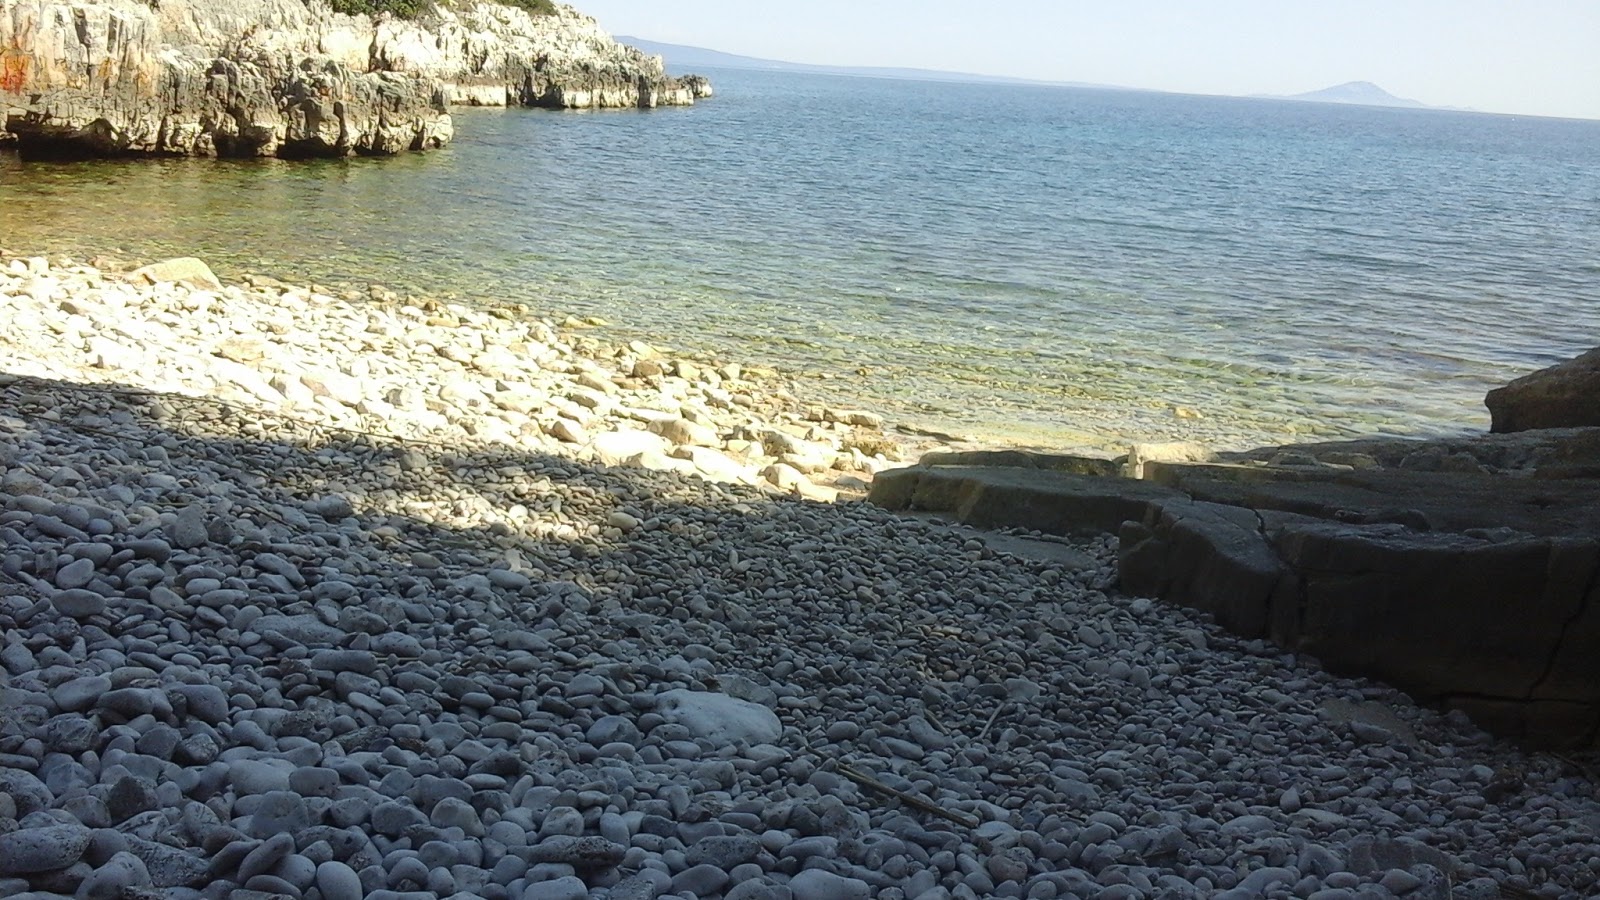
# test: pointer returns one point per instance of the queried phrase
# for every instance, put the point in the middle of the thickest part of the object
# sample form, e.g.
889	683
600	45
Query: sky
1535	57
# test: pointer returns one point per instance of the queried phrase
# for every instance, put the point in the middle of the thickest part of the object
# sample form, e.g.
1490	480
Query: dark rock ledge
1464	571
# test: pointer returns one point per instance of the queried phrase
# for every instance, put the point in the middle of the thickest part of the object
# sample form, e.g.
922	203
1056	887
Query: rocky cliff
295	79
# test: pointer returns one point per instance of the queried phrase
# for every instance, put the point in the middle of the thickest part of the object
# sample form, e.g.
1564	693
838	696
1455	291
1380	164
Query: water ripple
1026	262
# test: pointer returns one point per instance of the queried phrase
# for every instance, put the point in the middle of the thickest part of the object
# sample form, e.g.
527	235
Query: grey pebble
393	818
265	856
113	878
700	880
279	812
75	574
566	888
816	884
723	851
43	849
188	528
80	693
338	881
588	852
78	603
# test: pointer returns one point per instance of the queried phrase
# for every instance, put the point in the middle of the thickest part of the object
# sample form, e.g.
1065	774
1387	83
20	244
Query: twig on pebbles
992	716
911	800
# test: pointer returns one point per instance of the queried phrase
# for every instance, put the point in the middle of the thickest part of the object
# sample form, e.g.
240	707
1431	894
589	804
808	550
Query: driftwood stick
992	716
912	800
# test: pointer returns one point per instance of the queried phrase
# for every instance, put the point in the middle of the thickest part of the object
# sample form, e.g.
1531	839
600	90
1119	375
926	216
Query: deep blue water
1032	263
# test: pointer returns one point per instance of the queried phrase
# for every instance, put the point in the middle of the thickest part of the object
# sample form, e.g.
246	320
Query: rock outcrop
1566	395
487	54
1465	571
294	79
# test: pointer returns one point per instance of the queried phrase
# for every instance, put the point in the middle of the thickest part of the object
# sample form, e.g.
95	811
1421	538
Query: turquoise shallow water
1023	263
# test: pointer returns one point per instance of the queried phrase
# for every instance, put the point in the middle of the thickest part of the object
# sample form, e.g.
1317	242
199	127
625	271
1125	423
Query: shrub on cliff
410	9
537	7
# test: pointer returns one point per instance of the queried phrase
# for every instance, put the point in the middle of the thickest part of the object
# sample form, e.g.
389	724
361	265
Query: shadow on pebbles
244	656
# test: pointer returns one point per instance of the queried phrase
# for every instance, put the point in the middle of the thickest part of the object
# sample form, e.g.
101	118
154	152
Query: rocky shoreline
416	369
328	597
293	79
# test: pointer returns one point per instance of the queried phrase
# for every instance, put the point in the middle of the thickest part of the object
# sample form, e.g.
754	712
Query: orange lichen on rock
13	72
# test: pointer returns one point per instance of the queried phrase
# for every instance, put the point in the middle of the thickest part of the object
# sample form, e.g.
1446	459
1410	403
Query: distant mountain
1358	93
680	58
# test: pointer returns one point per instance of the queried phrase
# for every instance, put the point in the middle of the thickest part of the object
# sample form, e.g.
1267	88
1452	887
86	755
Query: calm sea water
1050	266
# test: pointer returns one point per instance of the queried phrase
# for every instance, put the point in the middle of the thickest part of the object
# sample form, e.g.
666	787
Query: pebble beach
341	596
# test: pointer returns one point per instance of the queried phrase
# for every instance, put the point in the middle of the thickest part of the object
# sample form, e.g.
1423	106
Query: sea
1052	267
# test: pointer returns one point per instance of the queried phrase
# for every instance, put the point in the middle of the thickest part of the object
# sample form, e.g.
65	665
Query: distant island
1351	93
1358	93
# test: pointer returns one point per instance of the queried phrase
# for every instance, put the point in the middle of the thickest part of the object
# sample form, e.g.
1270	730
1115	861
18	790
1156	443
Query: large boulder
1566	395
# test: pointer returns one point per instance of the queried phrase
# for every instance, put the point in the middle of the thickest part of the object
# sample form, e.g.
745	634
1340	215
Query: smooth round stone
75	574
569	887
751	890
452	812
563	820
358	661
78	603
272	886
348	811
436	854
393	818
279	812
816	884
153	549
408	869
700	880
255	776
807	847
265	857
131	703
298	870
338	881
314	781
612	729
42	849
80	694
123	870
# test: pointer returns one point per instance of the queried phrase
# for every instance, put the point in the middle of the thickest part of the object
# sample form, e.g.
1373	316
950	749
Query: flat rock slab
1041	500
1466	589
1422	501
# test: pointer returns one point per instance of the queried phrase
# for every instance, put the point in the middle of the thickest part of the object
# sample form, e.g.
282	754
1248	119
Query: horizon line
865	71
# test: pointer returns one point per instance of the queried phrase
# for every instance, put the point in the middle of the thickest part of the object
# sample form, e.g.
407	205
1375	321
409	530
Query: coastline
293	584
421	369
787	389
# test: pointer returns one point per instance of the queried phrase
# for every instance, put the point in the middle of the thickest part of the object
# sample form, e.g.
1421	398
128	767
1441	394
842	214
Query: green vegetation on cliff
410	9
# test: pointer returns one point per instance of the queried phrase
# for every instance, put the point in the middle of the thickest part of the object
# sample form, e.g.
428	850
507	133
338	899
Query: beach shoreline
419	368
300	594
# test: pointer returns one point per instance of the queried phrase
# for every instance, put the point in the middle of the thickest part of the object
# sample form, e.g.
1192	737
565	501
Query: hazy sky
1522	56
